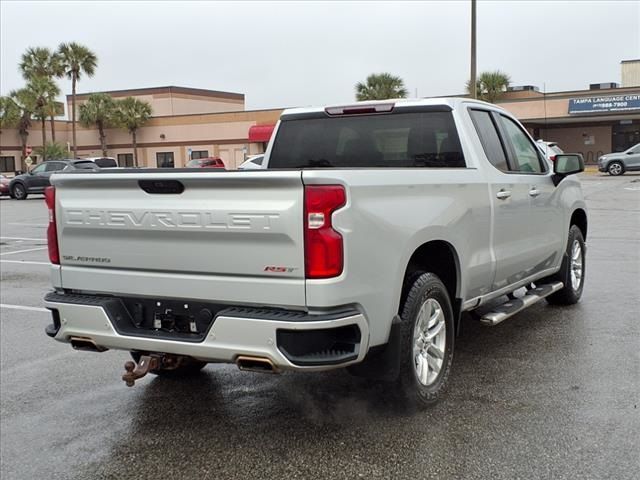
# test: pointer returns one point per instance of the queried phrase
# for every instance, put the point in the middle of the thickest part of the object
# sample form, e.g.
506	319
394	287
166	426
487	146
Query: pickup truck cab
372	228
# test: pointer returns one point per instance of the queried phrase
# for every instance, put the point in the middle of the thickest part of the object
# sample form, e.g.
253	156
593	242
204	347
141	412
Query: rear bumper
281	336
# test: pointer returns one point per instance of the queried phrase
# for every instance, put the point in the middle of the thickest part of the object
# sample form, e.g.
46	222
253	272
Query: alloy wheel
576	265
615	169
429	342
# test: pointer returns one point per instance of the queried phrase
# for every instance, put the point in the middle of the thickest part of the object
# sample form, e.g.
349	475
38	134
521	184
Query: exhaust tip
86	344
256	364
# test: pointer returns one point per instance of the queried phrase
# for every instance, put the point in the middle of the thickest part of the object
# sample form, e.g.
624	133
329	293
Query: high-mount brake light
323	249
52	232
360	109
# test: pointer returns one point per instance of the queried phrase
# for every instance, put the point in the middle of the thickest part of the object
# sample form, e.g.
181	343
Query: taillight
323	252
52	233
552	158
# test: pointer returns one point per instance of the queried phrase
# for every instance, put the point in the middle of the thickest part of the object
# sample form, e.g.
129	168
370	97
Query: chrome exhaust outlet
86	344
256	364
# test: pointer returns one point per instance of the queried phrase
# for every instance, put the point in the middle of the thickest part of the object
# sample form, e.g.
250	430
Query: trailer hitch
145	365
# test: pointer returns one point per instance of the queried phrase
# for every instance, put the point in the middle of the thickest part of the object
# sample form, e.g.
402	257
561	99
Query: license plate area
165	318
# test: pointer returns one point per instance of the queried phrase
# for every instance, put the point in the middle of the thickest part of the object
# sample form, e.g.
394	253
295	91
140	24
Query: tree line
40	67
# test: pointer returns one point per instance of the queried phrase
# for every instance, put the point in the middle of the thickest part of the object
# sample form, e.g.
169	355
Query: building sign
610	103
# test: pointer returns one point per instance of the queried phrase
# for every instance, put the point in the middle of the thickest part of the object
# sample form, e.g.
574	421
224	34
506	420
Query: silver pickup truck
372	228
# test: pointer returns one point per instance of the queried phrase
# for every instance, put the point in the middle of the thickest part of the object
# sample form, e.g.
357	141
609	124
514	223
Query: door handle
534	192
503	194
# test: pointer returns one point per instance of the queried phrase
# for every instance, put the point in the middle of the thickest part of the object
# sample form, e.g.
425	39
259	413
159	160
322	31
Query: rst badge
278	269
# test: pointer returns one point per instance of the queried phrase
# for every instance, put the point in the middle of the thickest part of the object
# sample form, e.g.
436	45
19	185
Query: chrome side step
510	308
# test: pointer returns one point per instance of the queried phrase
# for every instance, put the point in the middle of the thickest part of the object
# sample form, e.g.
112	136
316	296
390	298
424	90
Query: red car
4	186
209	162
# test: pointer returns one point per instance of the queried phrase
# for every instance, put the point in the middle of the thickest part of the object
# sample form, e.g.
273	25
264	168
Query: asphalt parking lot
552	393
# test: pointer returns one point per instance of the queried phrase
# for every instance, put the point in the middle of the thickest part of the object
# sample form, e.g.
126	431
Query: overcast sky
292	54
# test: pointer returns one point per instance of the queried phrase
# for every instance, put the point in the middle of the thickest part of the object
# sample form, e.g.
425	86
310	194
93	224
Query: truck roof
452	102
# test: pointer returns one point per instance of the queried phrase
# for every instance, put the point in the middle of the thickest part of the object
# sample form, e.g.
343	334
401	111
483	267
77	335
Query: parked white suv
550	149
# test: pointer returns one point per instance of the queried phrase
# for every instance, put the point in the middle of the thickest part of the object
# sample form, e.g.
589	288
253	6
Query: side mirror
567	164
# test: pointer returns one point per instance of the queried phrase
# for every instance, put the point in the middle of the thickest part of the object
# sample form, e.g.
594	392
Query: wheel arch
616	160
436	256
579	219
12	185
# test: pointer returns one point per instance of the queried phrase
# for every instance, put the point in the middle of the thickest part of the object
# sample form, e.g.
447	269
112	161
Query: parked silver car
620	162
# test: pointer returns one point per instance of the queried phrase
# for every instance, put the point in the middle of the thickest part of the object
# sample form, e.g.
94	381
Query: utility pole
473	92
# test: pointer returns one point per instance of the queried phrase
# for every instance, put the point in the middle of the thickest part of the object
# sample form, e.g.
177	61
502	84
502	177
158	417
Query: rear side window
54	166
415	139
88	165
489	138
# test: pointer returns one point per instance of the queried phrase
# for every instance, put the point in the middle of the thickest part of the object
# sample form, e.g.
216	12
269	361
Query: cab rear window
395	140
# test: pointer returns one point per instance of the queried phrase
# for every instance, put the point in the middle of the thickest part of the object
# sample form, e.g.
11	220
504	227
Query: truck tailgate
230	236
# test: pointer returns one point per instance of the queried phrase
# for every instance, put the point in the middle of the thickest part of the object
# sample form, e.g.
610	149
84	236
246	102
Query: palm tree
24	101
132	114
9	114
98	111
42	62
76	60
40	93
491	85
53	151
381	86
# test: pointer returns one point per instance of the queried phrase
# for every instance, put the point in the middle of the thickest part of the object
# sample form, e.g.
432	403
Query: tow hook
145	364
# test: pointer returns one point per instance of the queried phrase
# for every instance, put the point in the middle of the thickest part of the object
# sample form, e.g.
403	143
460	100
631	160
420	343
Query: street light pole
473	85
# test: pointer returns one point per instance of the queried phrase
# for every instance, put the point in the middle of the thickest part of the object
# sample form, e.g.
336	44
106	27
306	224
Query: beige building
194	123
186	123
605	118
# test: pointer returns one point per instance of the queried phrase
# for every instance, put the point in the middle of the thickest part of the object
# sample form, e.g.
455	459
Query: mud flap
382	362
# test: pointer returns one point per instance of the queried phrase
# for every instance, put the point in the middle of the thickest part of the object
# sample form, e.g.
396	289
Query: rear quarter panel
388	215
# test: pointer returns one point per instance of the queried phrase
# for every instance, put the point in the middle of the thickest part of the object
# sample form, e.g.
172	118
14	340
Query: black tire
19	192
425	287
569	294
191	367
615	168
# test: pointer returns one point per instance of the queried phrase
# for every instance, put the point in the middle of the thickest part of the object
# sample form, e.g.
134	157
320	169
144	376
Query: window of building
164	159
624	136
7	164
125	159
197	154
525	155
490	139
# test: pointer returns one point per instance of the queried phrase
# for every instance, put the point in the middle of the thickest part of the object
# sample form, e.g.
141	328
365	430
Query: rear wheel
615	168
189	366
19	192
572	273
426	344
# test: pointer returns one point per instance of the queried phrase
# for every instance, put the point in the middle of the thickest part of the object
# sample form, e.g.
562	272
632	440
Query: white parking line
26	262
22	238
28	224
23	251
22	307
